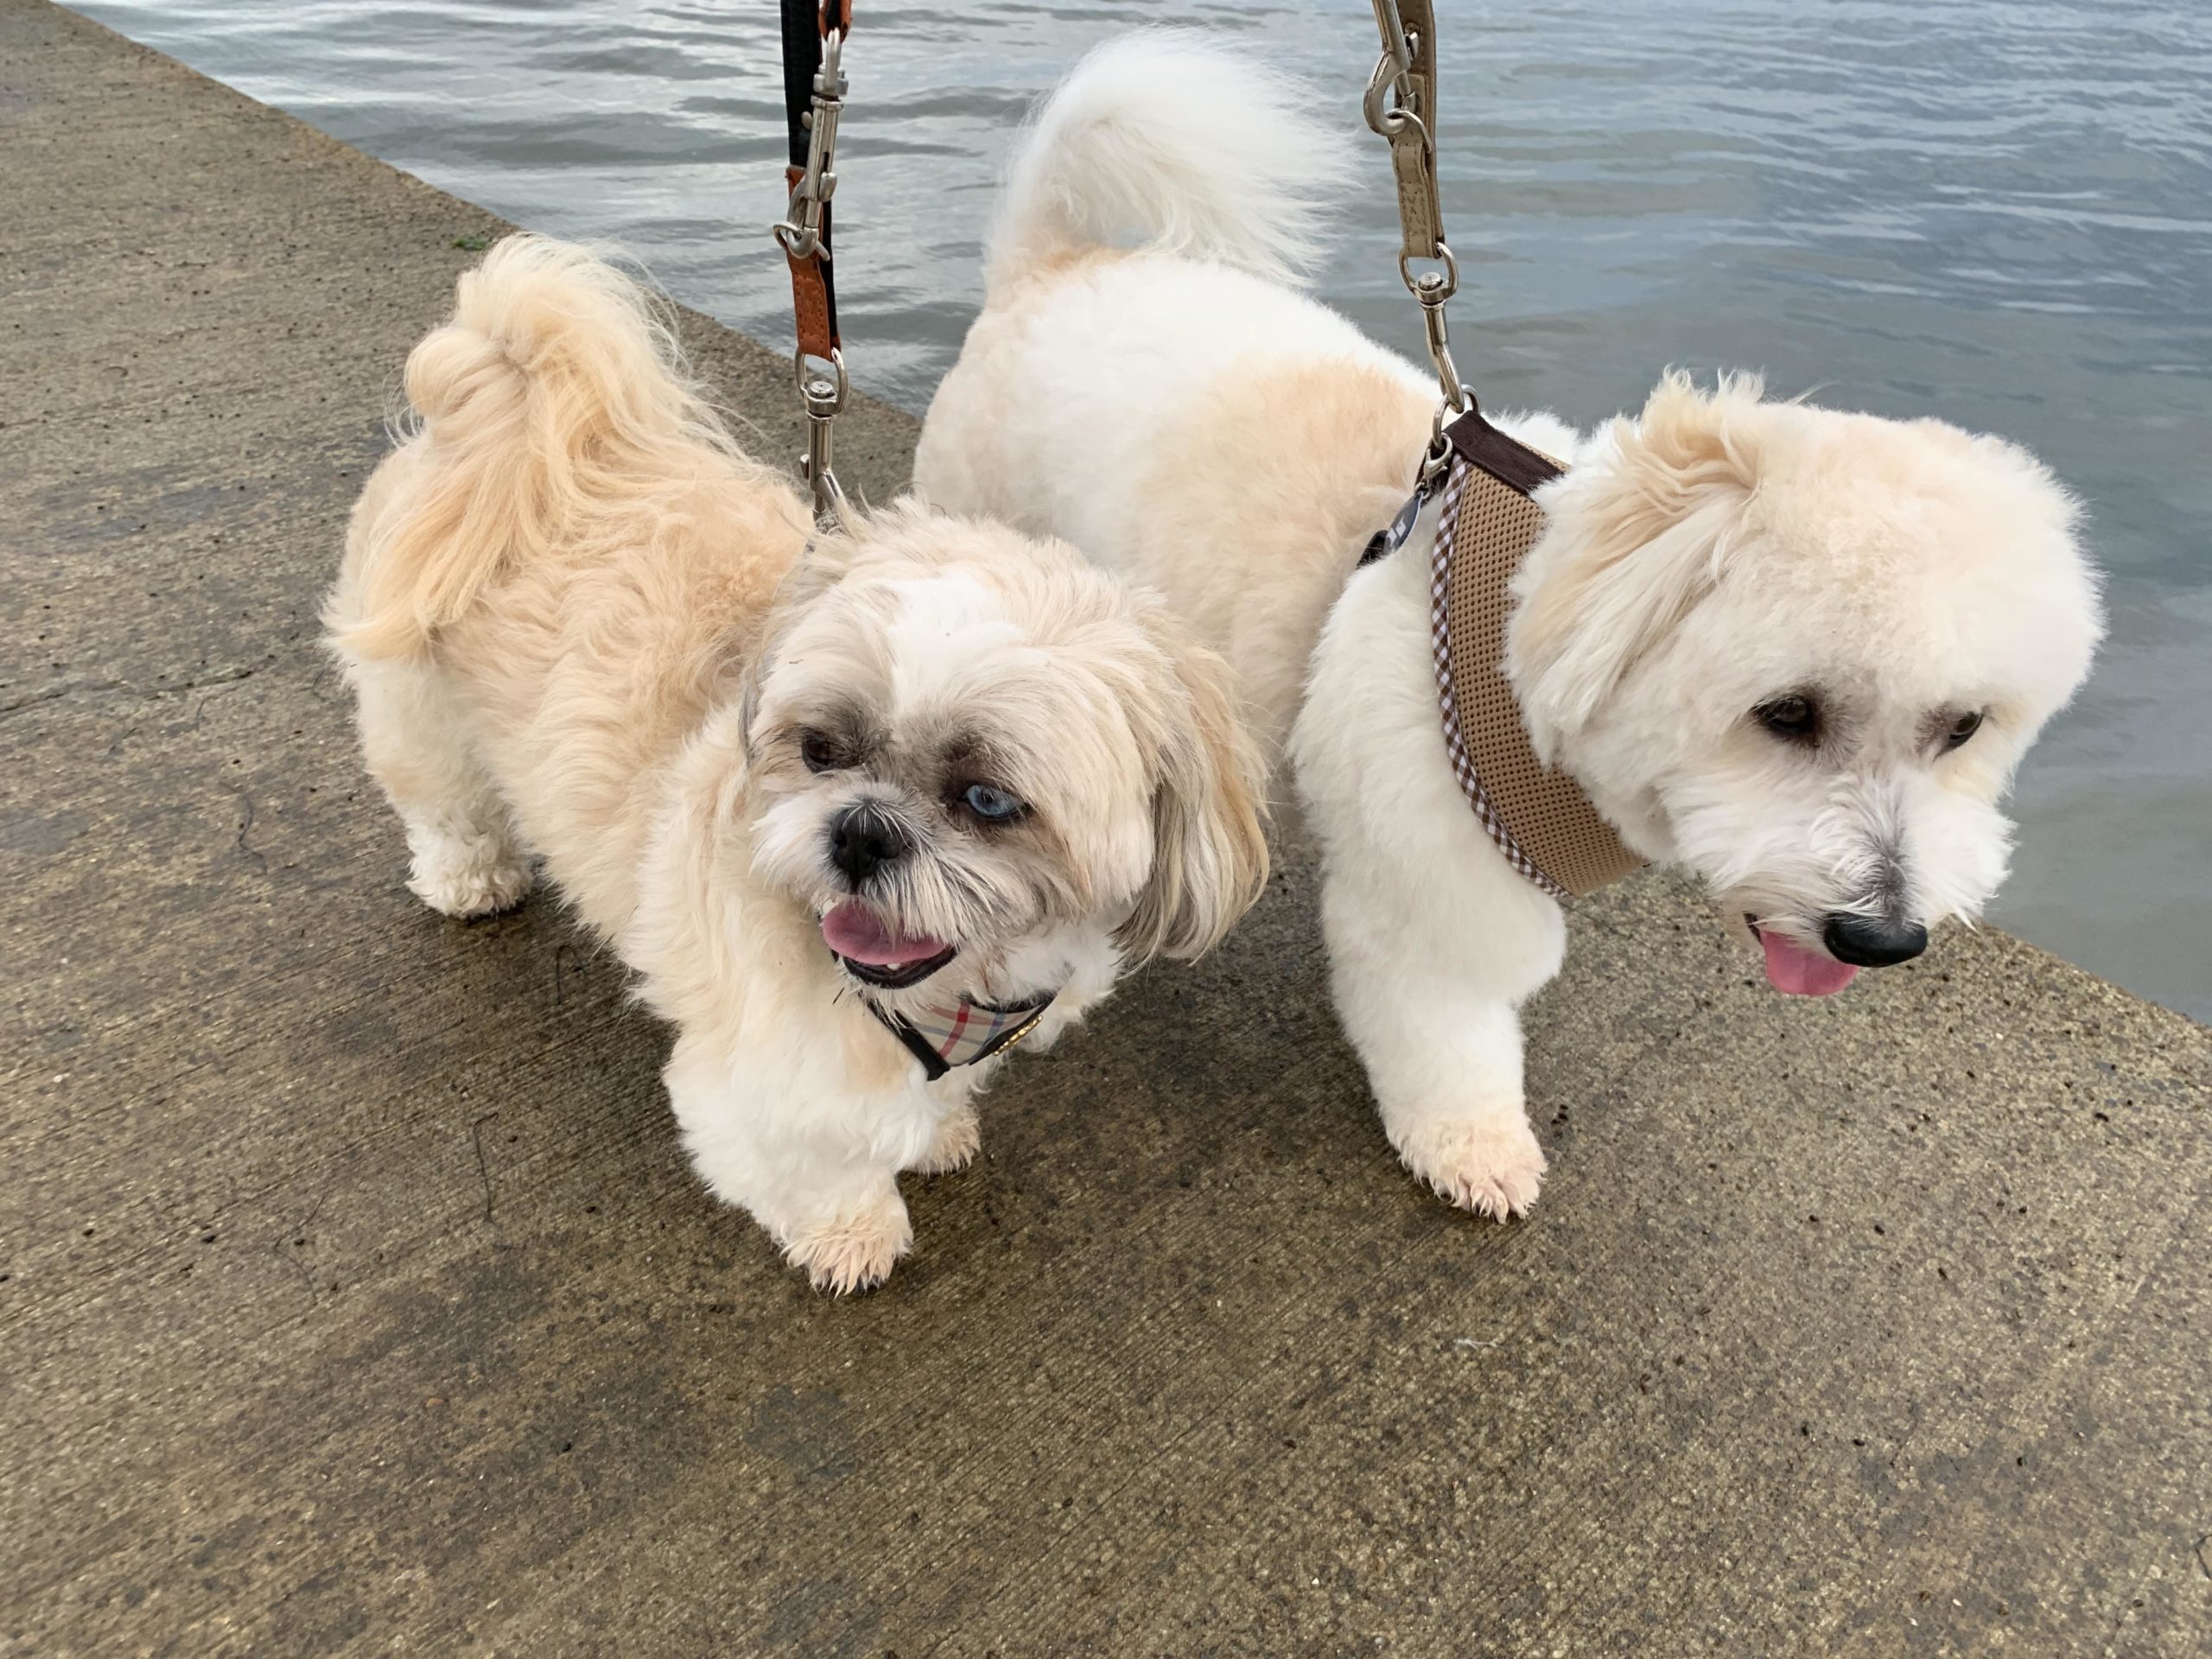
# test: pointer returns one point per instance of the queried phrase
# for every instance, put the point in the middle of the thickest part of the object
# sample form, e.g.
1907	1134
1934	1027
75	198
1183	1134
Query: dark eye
819	753
1963	728
1794	718
992	805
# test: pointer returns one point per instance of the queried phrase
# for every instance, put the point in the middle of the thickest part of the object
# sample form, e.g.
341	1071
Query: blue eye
993	805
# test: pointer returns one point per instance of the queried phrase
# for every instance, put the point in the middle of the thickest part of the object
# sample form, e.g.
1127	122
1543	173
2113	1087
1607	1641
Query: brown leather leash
1486	521
814	35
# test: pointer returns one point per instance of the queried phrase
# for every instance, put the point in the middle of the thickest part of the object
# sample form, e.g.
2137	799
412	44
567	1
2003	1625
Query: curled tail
554	386
1188	145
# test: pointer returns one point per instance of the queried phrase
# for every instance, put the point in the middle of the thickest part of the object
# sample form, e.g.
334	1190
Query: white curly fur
1232	443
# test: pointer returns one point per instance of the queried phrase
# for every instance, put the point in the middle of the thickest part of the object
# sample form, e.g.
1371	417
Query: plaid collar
962	1032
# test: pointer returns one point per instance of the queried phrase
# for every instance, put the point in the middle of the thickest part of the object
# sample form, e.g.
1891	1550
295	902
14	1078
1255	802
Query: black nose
862	839
1873	941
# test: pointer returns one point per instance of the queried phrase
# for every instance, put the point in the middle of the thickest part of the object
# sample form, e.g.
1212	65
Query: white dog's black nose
1873	941
862	839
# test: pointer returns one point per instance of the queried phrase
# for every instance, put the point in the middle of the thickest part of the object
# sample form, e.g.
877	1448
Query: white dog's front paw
472	876
959	1138
854	1250
1491	1165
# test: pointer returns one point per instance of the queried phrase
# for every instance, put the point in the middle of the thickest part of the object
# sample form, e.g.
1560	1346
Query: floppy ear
829	555
1210	849
748	692
1633	540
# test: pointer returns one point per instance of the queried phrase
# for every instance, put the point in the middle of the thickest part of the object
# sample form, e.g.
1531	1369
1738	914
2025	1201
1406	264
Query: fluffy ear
1210	849
748	692
831	554
1633	538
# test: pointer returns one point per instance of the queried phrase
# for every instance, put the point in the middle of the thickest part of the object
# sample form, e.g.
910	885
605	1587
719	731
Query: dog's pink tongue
853	930
1795	971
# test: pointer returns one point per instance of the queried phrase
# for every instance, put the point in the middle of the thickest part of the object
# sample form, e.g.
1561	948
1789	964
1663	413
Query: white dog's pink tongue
854	930
1795	971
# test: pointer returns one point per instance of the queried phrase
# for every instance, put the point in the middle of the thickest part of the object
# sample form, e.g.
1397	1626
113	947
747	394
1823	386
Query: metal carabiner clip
1392	73
799	231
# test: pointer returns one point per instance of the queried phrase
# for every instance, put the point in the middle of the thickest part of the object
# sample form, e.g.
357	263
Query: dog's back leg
416	736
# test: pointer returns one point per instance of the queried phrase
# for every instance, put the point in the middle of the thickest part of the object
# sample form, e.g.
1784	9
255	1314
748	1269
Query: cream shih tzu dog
1796	651
858	809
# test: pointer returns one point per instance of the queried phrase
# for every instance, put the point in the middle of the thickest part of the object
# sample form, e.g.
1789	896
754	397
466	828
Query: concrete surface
357	1298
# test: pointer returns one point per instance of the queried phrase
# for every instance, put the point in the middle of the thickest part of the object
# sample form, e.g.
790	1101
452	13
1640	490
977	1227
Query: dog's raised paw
957	1139
1492	1167
854	1251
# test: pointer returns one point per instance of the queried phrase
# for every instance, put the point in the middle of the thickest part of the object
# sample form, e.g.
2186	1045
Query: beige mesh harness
1539	818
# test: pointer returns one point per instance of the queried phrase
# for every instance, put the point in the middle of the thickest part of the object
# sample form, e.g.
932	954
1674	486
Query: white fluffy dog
1796	650
851	810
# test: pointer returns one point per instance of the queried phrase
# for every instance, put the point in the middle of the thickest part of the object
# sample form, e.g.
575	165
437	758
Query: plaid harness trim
1486	521
1455	744
963	1033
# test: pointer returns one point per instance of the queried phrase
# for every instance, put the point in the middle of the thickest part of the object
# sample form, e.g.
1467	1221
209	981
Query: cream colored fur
1183	417
583	627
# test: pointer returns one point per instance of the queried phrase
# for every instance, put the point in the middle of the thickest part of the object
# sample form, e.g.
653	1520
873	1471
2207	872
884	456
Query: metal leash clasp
1399	105
800	229
1393	77
822	394
821	380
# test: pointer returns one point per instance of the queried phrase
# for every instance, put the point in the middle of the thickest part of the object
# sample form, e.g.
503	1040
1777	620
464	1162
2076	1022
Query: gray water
1997	212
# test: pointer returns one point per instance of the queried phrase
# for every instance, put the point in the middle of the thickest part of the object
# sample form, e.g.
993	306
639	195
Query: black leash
814	98
813	287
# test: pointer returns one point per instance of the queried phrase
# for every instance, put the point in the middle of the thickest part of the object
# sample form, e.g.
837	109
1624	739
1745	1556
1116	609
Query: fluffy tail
554	386
1188	146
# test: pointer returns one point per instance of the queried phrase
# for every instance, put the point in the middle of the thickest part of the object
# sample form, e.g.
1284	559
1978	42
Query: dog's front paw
854	1250
955	1145
469	877
1492	1166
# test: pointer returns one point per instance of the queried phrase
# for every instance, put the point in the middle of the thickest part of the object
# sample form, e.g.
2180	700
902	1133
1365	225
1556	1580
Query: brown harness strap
1539	818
